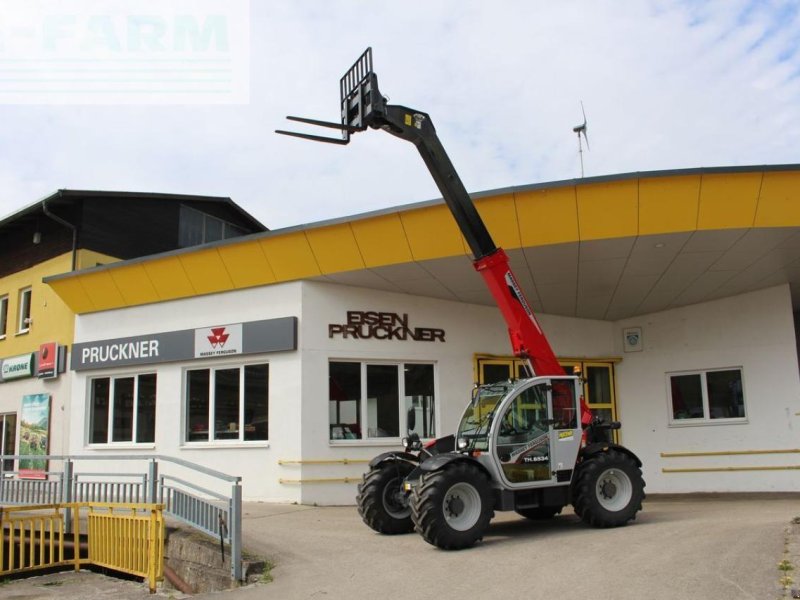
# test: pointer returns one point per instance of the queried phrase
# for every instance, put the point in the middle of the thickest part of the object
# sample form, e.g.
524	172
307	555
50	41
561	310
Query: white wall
256	463
469	330
754	331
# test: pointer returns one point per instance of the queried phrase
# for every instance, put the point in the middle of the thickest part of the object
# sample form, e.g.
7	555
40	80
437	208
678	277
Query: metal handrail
63	485
161	457
195	487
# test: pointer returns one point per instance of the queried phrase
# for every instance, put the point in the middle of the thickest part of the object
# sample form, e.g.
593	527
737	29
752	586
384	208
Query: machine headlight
462	444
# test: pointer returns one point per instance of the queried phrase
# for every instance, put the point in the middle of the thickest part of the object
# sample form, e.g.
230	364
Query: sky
666	84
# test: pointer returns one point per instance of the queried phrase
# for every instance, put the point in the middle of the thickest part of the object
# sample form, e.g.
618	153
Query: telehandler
529	445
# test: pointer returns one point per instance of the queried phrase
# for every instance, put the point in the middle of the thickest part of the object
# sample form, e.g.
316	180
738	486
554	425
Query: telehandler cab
528	445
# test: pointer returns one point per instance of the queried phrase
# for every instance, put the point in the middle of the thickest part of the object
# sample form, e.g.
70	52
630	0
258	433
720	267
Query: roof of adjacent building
65	197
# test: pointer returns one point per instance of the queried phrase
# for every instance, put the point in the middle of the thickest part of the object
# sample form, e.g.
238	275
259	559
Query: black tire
540	513
451	508
379	502
609	489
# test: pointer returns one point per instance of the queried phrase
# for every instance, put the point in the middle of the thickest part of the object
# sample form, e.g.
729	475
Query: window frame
24	310
217	443
110	443
706	419
365	440
3	316
9	462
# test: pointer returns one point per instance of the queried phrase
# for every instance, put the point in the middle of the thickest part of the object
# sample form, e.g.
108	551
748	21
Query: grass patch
266	574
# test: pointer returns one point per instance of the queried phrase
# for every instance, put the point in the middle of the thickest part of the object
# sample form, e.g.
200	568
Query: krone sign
17	367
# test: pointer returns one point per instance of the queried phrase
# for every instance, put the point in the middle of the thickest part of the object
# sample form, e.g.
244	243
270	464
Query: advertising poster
34	435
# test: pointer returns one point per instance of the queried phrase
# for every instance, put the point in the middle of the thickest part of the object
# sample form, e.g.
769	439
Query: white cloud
665	85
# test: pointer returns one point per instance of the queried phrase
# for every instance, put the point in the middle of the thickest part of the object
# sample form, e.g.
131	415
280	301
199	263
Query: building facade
70	231
293	357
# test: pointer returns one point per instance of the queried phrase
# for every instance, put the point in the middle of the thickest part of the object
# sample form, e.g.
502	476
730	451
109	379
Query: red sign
48	360
218	337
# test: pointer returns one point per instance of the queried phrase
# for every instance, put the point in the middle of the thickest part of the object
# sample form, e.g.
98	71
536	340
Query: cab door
536	437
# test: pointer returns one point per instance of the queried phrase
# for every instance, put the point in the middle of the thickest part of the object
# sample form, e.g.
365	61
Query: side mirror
412	441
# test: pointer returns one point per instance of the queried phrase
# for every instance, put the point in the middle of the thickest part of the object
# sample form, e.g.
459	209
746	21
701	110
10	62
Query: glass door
598	381
598	389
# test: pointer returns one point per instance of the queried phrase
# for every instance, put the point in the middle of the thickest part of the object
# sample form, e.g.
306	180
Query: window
123	409
24	311
8	439
234	399
706	396
3	315
196	227
369	401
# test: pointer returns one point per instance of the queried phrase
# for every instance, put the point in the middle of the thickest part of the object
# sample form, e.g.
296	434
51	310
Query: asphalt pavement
684	547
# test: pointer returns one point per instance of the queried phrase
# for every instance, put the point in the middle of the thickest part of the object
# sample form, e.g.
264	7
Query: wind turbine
582	129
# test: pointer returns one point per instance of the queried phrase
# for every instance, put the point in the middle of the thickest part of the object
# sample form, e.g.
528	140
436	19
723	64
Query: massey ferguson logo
218	337
218	341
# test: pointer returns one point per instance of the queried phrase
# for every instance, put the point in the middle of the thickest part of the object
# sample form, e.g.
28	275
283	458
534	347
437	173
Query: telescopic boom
363	106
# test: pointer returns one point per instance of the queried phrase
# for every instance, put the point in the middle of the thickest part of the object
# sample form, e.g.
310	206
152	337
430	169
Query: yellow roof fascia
100	286
779	200
520	218
74	295
246	264
608	210
728	200
134	284
335	248
668	204
382	240
290	256
432	232
168	277
500	215
547	216
206	271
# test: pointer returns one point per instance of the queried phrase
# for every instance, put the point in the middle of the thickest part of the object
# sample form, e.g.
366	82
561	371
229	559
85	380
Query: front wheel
609	490
451	508
382	503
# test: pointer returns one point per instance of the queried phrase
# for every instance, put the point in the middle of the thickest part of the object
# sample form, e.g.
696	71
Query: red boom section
527	338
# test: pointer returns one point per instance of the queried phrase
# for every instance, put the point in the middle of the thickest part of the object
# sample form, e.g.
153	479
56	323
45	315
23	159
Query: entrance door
598	380
598	389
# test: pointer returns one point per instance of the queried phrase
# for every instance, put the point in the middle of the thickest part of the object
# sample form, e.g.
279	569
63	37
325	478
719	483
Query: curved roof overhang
602	248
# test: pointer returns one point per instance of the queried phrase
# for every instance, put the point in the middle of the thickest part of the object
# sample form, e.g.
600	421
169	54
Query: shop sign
48	361
218	341
254	337
17	367
373	325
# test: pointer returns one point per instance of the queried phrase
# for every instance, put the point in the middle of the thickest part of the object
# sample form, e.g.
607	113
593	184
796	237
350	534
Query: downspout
61	221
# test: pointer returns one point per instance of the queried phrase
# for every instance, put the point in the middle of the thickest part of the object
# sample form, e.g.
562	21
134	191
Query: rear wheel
451	508
382	503
609	489
540	513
